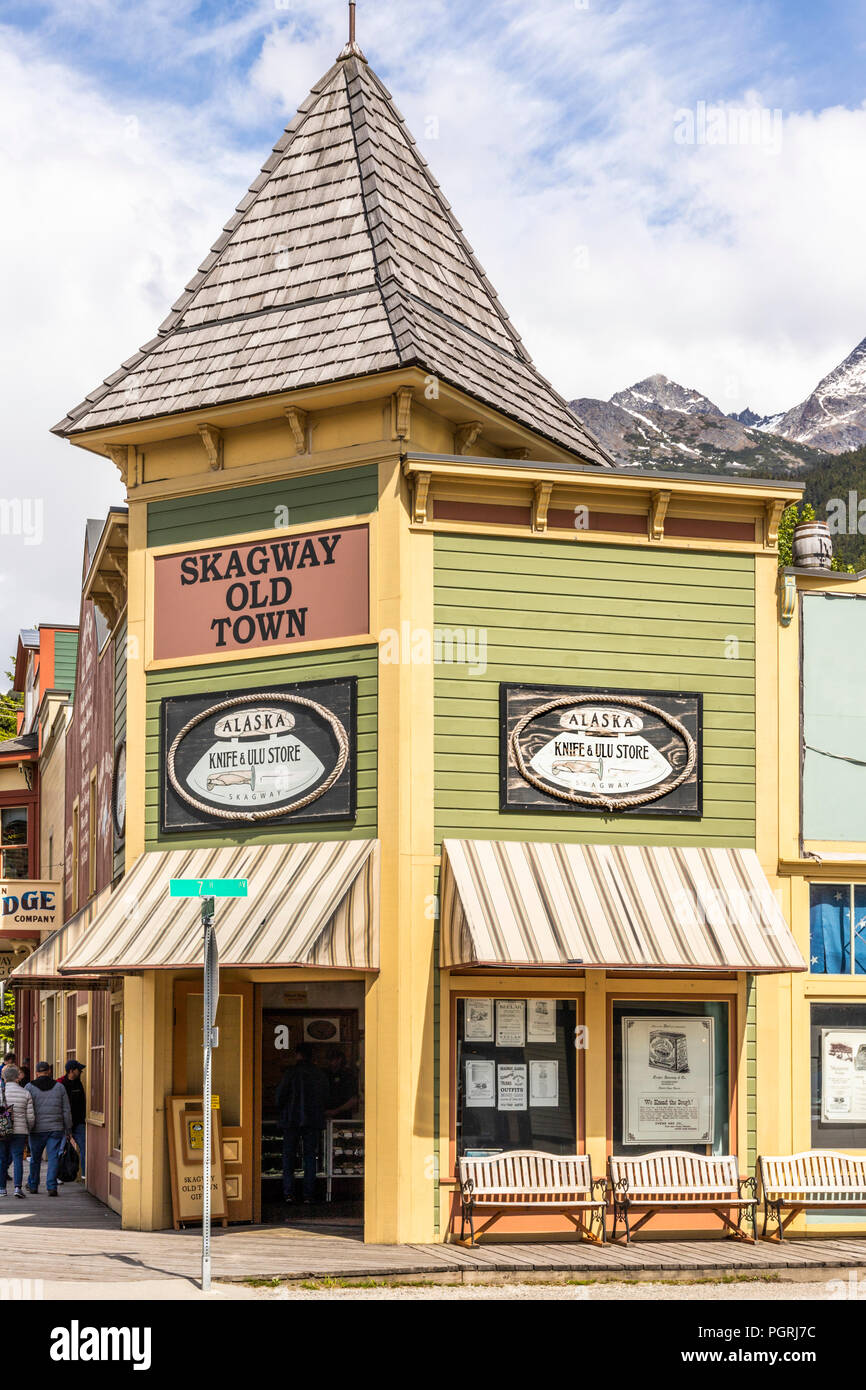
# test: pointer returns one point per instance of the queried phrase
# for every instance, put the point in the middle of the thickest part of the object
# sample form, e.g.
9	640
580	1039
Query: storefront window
671	1087
516	1075
837	919
838	1058
14	843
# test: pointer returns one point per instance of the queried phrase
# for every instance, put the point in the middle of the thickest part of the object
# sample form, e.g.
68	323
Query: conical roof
343	259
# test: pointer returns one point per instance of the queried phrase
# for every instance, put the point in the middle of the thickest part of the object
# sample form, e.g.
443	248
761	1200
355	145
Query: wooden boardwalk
76	1238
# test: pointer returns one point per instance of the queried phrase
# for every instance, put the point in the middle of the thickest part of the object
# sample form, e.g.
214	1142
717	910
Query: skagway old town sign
281	753
270	593
581	749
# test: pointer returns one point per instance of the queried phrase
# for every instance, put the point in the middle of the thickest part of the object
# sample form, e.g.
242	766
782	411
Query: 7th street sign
207	887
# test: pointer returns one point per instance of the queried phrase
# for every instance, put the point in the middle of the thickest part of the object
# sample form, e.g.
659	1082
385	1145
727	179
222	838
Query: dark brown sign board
600	750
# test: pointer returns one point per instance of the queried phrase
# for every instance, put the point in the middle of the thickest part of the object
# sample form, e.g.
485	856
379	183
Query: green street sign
207	887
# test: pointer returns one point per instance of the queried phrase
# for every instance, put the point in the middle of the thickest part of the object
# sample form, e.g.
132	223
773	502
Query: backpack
7	1114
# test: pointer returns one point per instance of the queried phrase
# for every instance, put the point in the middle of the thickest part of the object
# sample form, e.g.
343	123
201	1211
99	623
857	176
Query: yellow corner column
595	1070
147	1029
400	1092
136	691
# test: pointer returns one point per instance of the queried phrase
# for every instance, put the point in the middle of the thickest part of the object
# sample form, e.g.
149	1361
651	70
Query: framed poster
541	1020
270	755
668	1081
511	1023
544	1084
843	1075
481	1084
511	1086
588	749
478	1020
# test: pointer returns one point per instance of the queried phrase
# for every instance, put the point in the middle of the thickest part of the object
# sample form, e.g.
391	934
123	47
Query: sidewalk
76	1239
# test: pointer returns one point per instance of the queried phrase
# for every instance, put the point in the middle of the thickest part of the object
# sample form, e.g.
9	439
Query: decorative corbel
657	514
772	516
419	497
787	598
540	504
298	425
522	453
212	439
466	435
119	455
401	411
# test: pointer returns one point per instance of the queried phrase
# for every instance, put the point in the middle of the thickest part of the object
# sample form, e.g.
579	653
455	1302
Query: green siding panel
247	675
65	659
554	613
239	510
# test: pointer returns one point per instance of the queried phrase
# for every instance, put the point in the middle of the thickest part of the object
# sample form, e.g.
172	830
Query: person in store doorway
301	1098
53	1123
20	1103
342	1087
74	1086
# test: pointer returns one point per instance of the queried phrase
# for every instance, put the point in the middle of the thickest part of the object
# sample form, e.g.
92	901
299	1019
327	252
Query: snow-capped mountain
656	423
833	417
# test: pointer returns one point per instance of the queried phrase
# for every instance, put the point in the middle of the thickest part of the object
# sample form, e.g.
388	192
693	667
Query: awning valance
41	969
308	904
612	907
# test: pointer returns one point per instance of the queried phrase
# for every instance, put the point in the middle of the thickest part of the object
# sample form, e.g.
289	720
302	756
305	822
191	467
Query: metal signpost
207	889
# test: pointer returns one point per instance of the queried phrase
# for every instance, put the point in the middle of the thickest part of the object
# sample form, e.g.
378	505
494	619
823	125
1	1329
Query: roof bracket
401	412
773	510
466	435
787	599
419	497
119	455
657	514
297	419
540	504
521	453
212	439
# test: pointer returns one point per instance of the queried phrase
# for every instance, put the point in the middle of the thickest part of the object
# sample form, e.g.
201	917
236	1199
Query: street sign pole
211	999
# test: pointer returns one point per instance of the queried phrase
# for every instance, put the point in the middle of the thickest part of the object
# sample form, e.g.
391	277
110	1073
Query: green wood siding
247	675
119	724
181	520
596	615
65	658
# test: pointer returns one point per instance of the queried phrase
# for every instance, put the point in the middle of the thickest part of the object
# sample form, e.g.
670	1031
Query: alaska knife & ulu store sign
275	754
308	587
586	749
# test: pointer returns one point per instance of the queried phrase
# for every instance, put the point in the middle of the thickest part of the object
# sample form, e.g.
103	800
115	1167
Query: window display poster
511	1023
481	1085
544	1084
541	1021
843	1074
668	1081
511	1085
478	1020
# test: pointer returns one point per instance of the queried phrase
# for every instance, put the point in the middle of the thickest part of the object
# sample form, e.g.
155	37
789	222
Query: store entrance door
330	1039
232	1078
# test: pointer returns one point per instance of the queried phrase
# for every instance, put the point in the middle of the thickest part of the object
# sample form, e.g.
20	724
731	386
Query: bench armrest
601	1185
621	1185
750	1183
467	1188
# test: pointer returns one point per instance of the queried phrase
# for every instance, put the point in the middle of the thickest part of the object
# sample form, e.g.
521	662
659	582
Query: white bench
674	1180
817	1178
528	1180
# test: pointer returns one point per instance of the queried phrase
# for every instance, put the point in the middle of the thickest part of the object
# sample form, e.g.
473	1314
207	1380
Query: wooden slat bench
673	1180
528	1180
817	1178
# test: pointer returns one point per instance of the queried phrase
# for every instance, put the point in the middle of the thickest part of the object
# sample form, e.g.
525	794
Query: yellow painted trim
249	474
594	537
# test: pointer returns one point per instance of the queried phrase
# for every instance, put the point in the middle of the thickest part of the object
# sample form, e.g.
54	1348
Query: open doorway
312	1102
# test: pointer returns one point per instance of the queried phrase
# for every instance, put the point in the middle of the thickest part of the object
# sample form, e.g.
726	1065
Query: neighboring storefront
491	728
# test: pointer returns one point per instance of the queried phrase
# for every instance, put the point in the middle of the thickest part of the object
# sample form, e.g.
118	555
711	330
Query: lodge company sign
268	593
280	753
575	748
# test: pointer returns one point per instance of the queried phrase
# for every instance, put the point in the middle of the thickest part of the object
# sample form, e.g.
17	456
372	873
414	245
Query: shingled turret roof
343	259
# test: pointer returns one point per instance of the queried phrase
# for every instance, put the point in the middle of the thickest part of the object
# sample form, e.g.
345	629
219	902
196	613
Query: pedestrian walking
17	1117
74	1087
52	1124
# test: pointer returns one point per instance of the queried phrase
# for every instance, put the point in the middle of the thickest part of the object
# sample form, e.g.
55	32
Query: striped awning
41	969
612	907
307	904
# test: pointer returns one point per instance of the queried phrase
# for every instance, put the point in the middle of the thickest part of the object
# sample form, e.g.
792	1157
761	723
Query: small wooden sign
186	1151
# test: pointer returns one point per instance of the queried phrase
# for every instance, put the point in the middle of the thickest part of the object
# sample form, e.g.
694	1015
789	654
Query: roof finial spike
351	49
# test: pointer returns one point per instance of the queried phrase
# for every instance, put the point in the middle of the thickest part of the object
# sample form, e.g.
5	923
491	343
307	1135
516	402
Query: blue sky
129	129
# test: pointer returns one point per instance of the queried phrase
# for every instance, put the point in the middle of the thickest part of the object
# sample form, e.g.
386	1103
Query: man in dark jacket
77	1104
53	1123
301	1098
